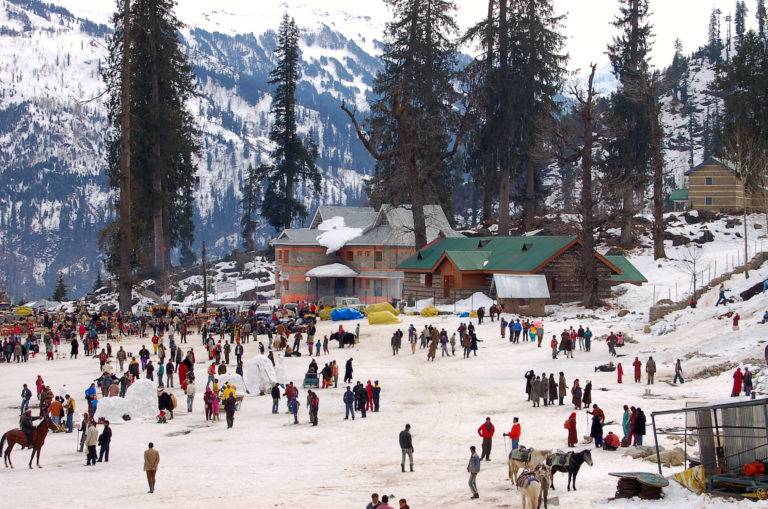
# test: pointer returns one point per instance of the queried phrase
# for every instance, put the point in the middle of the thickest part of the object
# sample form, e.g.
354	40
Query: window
367	254
377	287
350	256
428	280
378	256
708	200
708	181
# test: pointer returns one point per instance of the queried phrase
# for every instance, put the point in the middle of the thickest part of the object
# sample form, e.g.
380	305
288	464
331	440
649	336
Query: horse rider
27	426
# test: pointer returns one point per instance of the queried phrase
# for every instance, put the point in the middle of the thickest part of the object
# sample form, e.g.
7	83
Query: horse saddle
560	459
526	478
521	454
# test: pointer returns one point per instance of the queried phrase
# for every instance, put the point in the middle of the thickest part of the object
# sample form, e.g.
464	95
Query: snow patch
336	234
140	401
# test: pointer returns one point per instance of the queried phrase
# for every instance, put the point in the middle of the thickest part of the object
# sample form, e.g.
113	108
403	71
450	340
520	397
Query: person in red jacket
737	379
611	442
637	364
619	372
369	390
570	425
486	431
514	433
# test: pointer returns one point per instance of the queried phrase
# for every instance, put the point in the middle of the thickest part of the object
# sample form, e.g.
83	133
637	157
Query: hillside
52	122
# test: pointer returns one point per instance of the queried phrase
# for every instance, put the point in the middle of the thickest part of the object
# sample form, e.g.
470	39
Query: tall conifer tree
629	119
293	159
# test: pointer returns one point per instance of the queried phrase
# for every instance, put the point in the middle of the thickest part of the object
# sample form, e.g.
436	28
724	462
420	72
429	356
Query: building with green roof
449	269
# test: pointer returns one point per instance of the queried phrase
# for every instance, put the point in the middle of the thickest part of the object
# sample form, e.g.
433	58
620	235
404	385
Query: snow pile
336	234
140	401
470	304
233	379
261	375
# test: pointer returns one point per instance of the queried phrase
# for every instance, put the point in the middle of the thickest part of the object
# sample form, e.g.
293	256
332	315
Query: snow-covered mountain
53	195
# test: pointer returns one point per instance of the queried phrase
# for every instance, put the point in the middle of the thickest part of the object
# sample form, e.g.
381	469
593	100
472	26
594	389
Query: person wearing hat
104	439
91	440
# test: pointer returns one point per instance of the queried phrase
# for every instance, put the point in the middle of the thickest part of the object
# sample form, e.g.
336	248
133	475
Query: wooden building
715	185
454	268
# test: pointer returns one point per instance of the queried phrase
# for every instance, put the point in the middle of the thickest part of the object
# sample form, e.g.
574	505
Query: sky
587	24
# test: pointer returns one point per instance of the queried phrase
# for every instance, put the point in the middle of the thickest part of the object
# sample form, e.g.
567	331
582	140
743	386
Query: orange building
313	264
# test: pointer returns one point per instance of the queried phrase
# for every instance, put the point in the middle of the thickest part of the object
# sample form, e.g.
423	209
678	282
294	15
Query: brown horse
16	436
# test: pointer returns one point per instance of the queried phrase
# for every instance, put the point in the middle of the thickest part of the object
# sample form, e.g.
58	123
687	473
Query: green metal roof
629	273
469	260
679	195
513	254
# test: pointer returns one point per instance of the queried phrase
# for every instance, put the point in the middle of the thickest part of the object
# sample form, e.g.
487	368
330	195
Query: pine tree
742	86
98	283
163	135
760	15
250	190
740	20
60	291
413	121
293	159
629	119
715	44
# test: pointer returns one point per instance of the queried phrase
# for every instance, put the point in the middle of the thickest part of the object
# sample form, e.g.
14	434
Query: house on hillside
715	185
351	252
523	273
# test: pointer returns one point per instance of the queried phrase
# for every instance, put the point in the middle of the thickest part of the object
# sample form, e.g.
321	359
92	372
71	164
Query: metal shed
730	435
522	293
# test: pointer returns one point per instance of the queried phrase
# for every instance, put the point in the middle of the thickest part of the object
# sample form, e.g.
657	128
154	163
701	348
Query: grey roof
354	217
390	226
711	160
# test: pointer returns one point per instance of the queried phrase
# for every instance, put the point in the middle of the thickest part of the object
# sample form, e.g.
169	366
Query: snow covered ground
265	461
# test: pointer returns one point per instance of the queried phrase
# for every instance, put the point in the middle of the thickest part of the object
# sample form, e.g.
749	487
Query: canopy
521	286
331	270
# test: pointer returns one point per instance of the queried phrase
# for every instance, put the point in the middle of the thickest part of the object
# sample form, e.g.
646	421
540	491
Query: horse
347	338
536	458
542	474
16	436
530	489
573	462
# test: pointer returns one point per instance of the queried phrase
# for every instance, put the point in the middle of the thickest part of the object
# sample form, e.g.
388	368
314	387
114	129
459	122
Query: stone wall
660	311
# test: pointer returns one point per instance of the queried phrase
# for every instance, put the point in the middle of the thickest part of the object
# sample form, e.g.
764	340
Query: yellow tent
382	318
381	306
325	313
22	311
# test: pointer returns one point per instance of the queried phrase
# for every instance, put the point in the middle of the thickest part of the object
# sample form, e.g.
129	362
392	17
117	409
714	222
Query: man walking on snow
650	369
151	462
473	468
406	447
486	431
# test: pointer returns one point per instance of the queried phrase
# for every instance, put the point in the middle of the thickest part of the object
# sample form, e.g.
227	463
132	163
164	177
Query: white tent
521	286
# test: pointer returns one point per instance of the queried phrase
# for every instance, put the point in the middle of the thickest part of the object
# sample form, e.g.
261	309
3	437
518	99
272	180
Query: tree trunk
126	235
628	212
289	195
489	159
530	195
158	227
417	207
658	190
591	288
505	221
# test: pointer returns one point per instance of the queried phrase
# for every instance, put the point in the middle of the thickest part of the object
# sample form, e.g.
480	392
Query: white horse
530	489
537	458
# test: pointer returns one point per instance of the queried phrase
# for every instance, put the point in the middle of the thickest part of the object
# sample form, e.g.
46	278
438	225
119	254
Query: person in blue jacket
349	399
293	406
